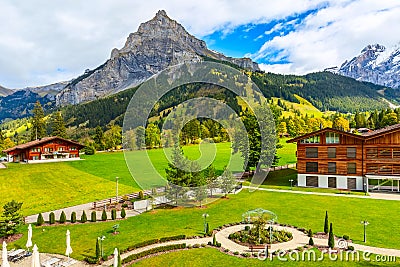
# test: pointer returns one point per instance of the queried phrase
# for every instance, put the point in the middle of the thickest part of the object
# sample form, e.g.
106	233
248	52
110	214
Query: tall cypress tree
58	126
326	226
331	238
38	129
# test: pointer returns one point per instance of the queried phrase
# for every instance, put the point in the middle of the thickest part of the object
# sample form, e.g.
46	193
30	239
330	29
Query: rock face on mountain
158	43
375	64
4	91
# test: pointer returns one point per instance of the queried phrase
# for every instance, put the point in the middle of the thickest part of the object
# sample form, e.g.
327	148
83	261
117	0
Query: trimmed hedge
154	241
152	251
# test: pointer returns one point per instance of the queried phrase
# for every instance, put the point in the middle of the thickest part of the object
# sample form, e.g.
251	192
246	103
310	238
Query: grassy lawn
48	186
215	258
305	211
286	154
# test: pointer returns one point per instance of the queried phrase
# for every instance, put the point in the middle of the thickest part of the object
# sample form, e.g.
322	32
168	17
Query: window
332	182
331	167
35	149
72	156
331	152
312	181
311	152
332	138
311	140
73	148
35	157
372	153
48	149
311	166
351	168
396	152
60	148
385	153
351	152
372	168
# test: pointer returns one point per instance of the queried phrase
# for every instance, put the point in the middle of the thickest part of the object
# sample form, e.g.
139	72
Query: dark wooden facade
375	153
43	149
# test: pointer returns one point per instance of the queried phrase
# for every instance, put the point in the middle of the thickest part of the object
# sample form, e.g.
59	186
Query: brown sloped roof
322	131
364	136
40	141
379	132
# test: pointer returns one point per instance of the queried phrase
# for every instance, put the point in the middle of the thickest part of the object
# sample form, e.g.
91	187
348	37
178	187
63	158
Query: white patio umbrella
35	257
115	257
69	249
29	241
5	262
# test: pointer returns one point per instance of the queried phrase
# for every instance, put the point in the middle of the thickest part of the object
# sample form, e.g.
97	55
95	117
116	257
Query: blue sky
43	41
247	39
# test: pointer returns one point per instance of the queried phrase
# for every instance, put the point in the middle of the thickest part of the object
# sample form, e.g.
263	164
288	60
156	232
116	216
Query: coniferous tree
73	217
123	213
38	129
58	126
326	225
97	249
83	217
331	238
63	217
39	220
93	216
104	215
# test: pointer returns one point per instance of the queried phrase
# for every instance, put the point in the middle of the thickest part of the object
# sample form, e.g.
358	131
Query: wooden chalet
45	149
331	158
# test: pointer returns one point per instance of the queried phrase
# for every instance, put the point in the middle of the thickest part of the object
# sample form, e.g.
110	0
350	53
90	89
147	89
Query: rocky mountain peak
375	64
157	44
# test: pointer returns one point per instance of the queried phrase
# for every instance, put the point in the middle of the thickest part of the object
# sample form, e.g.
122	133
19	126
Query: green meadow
305	211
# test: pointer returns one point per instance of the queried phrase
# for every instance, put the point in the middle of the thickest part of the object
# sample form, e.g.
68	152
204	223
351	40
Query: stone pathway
299	240
382	196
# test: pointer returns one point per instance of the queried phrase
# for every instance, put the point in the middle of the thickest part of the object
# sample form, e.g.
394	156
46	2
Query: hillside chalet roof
383	131
39	142
296	139
364	136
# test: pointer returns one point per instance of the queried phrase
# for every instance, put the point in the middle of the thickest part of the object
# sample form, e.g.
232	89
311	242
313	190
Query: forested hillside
325	90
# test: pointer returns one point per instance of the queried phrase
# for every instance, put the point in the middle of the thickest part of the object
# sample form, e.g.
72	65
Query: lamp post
365	188
116	189
101	245
291	183
365	223
205	215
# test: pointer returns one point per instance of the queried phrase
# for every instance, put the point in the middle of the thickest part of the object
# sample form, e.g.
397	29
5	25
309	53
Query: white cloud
334	34
39	37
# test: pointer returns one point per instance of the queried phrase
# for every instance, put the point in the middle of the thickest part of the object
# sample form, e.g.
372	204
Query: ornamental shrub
93	216
39	220
123	213
63	218
104	216
52	218
83	217
73	217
